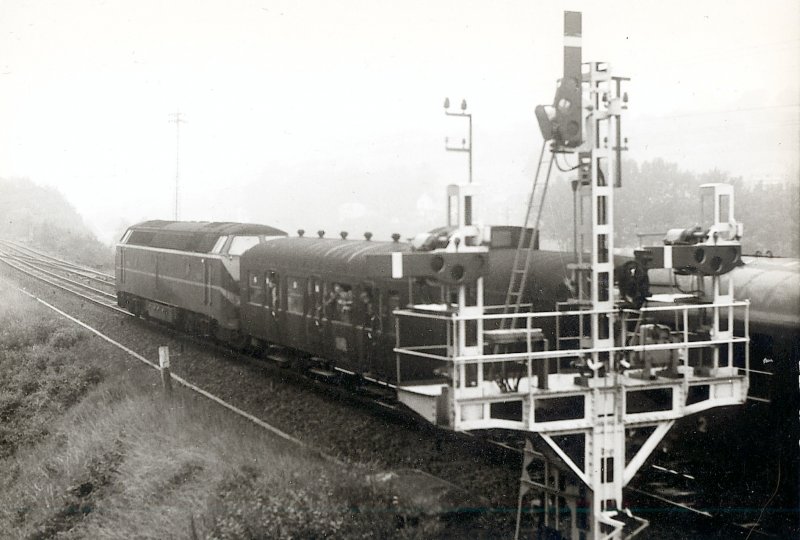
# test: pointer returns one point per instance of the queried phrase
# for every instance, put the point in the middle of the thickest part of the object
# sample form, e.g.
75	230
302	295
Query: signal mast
577	379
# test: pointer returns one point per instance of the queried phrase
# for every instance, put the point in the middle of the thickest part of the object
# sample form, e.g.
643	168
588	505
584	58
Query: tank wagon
773	287
186	273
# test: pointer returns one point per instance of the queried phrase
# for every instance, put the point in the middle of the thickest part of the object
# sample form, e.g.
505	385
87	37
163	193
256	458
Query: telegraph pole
177	118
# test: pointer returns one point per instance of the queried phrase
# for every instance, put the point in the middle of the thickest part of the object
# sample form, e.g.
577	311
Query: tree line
657	196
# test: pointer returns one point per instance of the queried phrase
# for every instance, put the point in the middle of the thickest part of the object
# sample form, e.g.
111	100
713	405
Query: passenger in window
344	304
394	301
272	287
372	322
366	301
330	304
393	304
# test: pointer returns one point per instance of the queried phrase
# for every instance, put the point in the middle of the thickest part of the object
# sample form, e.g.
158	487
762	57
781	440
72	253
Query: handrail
450	316
567	353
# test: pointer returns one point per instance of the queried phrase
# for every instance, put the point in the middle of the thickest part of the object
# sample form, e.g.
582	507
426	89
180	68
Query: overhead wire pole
177	118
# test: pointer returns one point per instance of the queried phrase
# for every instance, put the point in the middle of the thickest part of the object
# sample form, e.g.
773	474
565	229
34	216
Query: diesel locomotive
186	274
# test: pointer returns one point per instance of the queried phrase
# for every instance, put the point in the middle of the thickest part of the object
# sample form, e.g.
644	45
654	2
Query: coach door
367	326
315	316
339	306
295	311
272	307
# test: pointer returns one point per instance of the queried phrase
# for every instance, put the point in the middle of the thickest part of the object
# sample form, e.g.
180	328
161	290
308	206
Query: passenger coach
316	295
323	297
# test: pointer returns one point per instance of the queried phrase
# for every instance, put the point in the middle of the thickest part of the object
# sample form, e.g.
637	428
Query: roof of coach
323	255
207	227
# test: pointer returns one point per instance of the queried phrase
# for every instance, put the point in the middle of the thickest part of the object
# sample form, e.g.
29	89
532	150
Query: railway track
44	258
63	277
664	484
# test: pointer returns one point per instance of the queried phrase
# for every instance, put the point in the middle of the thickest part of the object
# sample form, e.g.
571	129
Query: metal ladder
508	382
525	246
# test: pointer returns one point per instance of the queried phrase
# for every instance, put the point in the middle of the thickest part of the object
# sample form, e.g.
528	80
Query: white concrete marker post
166	376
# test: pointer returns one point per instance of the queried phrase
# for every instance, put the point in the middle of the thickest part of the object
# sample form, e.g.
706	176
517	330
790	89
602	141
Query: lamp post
464	146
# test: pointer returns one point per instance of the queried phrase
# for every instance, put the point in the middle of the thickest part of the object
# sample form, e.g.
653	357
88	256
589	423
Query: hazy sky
332	99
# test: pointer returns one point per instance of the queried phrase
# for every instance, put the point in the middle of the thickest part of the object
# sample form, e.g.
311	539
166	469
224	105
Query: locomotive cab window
219	244
140	238
240	244
256	289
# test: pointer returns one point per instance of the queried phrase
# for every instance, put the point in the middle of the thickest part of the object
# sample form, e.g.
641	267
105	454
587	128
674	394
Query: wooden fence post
166	377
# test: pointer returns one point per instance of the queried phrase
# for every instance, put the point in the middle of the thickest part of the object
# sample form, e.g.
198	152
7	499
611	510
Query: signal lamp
545	116
562	120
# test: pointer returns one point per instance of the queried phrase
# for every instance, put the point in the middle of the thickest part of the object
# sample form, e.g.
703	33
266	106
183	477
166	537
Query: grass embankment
89	449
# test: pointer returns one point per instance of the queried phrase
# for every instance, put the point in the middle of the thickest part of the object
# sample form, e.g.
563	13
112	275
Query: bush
40	375
64	338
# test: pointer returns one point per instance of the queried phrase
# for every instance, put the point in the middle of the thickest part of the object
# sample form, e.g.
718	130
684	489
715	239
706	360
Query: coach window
240	244
274	290
392	304
315	297
256	295
220	243
294	295
339	302
367	304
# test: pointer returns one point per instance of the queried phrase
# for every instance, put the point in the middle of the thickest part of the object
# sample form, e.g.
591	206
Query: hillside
42	217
